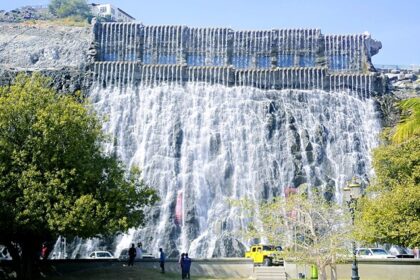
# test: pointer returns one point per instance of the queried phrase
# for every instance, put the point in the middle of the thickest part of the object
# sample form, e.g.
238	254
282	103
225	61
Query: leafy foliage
54	177
66	8
392	217
410	121
390	213
312	230
397	164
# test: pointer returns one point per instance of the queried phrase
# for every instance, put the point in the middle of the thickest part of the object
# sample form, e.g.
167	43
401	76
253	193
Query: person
180	262
416	253
139	251
44	251
186	266
162	260
131	255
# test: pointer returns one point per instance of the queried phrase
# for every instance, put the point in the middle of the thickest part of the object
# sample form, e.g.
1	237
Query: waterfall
212	143
212	114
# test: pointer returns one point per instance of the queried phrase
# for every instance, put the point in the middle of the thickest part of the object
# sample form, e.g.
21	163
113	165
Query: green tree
55	178
390	212
66	8
410	121
392	217
312	230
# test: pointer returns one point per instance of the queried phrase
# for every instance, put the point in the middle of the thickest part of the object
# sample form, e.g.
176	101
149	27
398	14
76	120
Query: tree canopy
410	121
55	178
66	8
312	230
390	213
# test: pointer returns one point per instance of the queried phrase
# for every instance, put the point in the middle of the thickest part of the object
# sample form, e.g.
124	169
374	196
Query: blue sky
396	23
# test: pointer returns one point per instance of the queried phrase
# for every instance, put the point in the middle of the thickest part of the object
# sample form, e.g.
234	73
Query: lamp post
352	192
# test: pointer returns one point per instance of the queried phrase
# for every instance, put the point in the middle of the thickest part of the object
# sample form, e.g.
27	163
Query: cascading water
214	143
211	114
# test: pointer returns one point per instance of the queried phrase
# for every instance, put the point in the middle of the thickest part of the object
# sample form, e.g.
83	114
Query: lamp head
353	190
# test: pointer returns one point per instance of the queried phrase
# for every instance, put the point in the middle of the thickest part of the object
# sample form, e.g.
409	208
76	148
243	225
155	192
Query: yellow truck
266	255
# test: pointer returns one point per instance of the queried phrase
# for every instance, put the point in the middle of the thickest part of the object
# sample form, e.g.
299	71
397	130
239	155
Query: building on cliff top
110	12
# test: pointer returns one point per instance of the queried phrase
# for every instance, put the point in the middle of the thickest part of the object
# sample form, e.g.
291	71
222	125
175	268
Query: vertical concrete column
229	46
274	34
139	42
137	46
320	49
94	48
184	36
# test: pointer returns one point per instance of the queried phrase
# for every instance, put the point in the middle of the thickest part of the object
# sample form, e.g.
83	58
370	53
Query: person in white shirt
139	251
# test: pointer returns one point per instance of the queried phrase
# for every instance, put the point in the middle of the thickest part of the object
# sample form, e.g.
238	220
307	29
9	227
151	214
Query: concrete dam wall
270	59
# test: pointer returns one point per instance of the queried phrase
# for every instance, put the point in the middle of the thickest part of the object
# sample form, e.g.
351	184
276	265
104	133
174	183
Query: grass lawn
121	272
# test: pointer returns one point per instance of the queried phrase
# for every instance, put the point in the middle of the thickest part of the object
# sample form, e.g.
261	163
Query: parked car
266	255
147	255
101	255
4	254
124	255
373	253
401	252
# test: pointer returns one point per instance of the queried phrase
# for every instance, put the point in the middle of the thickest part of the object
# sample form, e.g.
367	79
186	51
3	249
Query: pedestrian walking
131	255
162	260
416	252
186	266
139	251
180	262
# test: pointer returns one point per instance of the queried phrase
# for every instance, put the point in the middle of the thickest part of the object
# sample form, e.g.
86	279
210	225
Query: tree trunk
29	260
333	271
14	253
333	266
322	272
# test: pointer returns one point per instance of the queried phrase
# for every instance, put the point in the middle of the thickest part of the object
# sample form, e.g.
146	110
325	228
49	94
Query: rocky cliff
58	51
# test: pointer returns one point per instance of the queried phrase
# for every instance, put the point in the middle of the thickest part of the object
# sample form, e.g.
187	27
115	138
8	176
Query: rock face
399	85
59	52
63	80
404	84
42	46
25	13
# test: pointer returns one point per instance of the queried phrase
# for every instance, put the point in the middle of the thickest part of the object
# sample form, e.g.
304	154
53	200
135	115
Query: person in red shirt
44	251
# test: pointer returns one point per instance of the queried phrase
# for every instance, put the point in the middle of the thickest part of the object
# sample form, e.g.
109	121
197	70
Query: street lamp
352	192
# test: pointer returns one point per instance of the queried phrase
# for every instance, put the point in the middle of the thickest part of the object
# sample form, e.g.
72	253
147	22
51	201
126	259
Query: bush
66	8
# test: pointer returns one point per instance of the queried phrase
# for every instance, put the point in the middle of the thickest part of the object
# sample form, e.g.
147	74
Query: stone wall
407	269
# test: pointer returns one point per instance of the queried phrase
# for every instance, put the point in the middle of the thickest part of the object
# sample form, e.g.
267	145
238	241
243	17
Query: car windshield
103	255
379	252
403	251
268	248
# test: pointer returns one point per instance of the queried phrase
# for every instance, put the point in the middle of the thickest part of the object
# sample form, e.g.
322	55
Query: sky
396	23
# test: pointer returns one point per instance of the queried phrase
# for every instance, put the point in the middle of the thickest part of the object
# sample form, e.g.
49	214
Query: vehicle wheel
267	262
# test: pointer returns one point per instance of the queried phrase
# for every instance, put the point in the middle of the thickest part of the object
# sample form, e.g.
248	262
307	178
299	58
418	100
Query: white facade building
111	12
